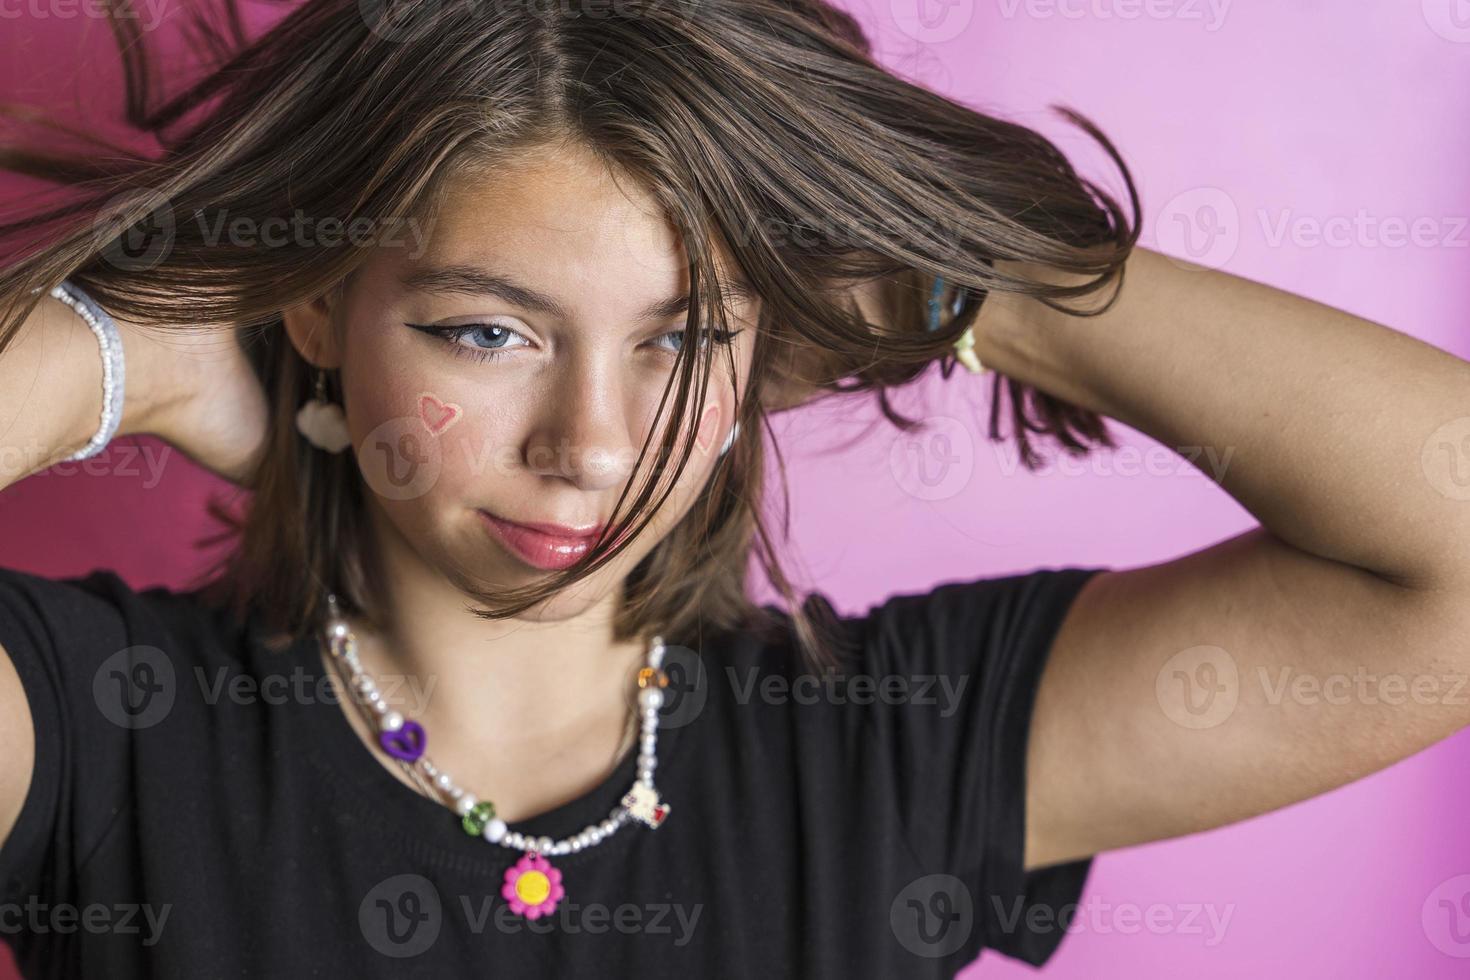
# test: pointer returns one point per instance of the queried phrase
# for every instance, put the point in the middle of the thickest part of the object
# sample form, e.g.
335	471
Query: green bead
480	814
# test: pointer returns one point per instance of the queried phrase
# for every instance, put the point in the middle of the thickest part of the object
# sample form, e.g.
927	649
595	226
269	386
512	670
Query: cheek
423	436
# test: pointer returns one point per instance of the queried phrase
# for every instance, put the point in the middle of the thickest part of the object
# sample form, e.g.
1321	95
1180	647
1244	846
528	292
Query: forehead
560	218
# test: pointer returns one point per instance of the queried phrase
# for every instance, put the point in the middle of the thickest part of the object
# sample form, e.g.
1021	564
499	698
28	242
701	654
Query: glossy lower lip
552	552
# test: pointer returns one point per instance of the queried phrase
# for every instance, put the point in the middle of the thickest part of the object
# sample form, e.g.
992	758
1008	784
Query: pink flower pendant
532	886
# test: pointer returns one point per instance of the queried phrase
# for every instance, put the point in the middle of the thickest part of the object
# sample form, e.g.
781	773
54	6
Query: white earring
322	422
730	439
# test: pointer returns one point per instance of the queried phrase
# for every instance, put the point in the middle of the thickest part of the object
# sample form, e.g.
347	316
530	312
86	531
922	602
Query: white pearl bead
444	781
650	697
465	803
338	630
543	844
392	721
495	831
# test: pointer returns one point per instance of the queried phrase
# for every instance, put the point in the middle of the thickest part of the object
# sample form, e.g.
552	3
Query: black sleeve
59	634
956	752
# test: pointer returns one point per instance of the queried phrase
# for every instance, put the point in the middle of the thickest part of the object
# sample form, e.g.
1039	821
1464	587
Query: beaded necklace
532	886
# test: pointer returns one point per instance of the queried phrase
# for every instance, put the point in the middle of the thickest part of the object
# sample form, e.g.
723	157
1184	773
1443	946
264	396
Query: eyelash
453	335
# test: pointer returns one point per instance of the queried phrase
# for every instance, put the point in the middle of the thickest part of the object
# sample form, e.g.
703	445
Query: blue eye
486	341
721	337
479	341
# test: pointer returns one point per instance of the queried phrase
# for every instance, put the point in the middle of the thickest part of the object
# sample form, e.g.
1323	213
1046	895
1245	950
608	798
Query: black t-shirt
201	807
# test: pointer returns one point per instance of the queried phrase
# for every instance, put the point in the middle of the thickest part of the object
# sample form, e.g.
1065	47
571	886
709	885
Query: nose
582	434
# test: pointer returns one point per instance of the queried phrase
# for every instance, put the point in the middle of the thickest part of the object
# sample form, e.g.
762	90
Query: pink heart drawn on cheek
704	435
438	415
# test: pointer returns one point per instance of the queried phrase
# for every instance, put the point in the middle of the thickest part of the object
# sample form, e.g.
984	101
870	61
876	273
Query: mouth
550	547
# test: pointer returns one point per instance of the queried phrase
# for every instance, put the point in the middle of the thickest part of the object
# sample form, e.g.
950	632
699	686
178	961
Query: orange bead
648	676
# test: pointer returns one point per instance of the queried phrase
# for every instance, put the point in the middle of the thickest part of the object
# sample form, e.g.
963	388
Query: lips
557	530
551	547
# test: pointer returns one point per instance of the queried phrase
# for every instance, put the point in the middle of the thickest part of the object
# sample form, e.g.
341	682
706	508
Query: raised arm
191	387
1292	658
50	402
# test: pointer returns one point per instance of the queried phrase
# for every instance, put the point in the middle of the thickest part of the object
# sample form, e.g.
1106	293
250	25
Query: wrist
1024	339
147	400
1011	328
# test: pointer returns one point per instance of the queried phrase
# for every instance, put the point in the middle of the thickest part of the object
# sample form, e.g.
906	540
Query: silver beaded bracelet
105	329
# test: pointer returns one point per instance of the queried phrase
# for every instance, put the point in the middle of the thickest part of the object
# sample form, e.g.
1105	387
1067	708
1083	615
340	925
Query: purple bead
407	743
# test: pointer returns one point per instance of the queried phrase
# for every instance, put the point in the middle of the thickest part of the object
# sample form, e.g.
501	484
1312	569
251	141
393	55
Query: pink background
1276	112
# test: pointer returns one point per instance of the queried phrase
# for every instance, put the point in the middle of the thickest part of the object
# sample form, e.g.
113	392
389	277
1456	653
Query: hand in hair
204	398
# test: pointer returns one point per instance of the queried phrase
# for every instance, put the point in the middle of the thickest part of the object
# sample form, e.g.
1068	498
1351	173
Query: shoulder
91	648
962	622
101	603
107	670
988	634
908	624
918	737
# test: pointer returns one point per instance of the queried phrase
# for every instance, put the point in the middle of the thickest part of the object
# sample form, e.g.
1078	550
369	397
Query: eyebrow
471	280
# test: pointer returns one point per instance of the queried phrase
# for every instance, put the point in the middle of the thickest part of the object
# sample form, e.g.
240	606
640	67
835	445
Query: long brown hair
764	128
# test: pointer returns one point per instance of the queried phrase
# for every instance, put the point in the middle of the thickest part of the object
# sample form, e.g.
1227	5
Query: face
506	372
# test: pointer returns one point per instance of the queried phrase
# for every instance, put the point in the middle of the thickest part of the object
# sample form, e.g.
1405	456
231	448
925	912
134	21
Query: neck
530	712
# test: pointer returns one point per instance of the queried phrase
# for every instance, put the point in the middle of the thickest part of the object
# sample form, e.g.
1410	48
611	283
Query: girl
487	306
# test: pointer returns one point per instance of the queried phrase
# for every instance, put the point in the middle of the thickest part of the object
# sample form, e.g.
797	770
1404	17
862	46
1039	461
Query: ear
312	330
